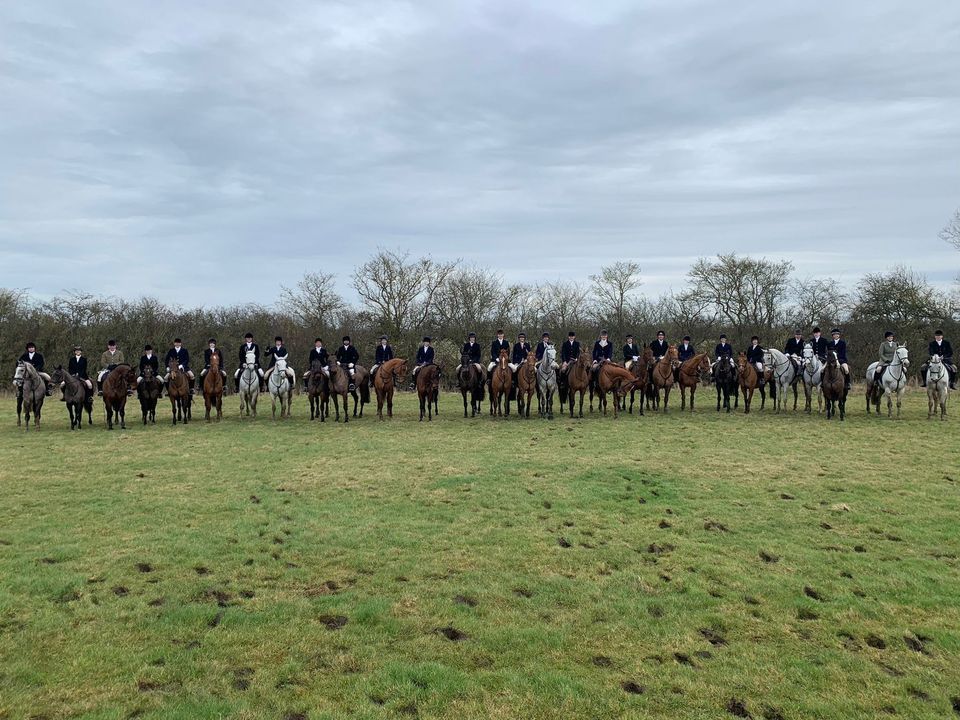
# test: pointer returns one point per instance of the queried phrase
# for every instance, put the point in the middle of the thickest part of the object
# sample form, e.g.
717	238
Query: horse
614	378
279	387
249	384
117	383
213	388
578	380
833	385
501	381
893	382
749	381
178	390
526	384
938	387
783	375
339	389
77	396
32	392
641	369
148	391
385	381
547	382
726	376
812	375
663	377
691	374
470	381
361	391
318	391
428	390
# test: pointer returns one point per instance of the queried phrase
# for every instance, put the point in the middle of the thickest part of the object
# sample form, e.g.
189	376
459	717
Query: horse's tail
365	392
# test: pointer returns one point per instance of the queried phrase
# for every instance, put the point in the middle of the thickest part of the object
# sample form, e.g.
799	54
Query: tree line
406	297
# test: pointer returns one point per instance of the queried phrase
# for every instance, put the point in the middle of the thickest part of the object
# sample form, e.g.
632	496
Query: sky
208	153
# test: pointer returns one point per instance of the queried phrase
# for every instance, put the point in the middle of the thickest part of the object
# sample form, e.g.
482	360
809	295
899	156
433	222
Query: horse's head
704	365
903	355
148	373
316	366
807	351
18	374
504	358
251	358
281	365
215	361
673	356
401	368
767	359
935	360
532	358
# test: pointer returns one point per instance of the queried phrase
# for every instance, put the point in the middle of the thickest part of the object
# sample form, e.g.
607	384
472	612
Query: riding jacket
659	348
942	349
496	346
347	355
570	351
320	355
755	354
888	351
819	347
182	357
152	362
425	355
472	351
383	354
251	347
630	352
78	366
208	353
723	349
602	352
541	349
840	348
276	352
685	351
109	360
793	347
36	360
520	351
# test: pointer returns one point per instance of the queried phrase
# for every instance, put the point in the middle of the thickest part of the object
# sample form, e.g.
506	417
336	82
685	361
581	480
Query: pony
279	387
470	381
749	382
318	391
662	377
249	383
726	376
893	382
501	381
339	388
692	372
213	388
428	390
32	392
526	384
578	380
385	381
116	386
361	391
834	386
77	396
938	387
611	377
812	373
178	390
148	392
783	374
641	369
547	382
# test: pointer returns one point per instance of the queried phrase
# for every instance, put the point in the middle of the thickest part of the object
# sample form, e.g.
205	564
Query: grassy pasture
704	566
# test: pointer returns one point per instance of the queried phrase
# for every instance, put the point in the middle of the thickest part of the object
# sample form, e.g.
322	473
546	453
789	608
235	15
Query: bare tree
399	293
566	303
314	299
612	288
468	298
819	301
951	231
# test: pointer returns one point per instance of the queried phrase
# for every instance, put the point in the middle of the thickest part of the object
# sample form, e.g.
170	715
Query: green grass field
675	566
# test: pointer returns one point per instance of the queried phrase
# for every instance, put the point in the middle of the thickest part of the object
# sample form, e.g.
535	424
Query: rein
776	364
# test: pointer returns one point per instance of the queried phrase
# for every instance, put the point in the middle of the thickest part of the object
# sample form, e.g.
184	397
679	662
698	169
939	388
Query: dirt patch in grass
876	642
769	557
451	633
144	567
632	688
120	590
467	600
737	708
713	637
333	622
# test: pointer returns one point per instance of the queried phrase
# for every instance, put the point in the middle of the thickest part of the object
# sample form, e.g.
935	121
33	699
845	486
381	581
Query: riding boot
99	387
236	385
49	387
193	382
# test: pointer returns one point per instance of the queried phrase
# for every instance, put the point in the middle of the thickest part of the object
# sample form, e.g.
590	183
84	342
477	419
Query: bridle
776	364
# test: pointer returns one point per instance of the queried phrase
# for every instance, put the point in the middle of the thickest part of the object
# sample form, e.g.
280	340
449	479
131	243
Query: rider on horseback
182	356
348	357
520	350
631	353
887	352
684	353
819	345
471	350
602	353
542	346
318	354
495	347
212	350
840	348
425	355
569	351
32	357
384	353
109	359
148	360
721	350
78	367
248	346
793	348
941	347
279	351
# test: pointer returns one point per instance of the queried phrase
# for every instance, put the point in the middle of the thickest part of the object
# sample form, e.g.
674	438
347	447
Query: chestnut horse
384	382
213	388
116	385
578	379
691	373
663	377
428	390
501	380
318	391
639	369
526	384
470	381
178	390
749	381
611	377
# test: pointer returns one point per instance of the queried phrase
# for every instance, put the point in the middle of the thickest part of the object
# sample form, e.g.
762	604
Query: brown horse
639	369
116	385
526	384
663	377
611	377
148	392
318	391
470	382
749	381
213	388
388	375
428	390
339	389
77	396
578	380
691	373
834	387
361	393
501	380
178	390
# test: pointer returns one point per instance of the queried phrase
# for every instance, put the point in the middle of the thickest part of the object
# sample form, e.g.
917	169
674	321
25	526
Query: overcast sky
208	152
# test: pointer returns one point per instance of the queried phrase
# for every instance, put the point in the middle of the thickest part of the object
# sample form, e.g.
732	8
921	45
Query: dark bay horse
727	378
692	371
148	391
361	395
749	381
339	389
385	382
663	377
428	390
33	391
118	382
318	391
640	369
470	382
578	380
77	396
834	387
611	377
526	384
213	389
501	382
178	390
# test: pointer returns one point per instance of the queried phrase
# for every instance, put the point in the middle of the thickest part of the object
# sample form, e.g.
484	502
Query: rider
317	354
887	352
77	366
180	354
941	347
384	353
755	356
569	351
348	357
248	346
631	353
425	355
109	359
542	345
521	349
471	350
722	349
684	352
279	351
794	346
660	345
840	348
602	352
500	343
212	350
34	358
148	360
819	345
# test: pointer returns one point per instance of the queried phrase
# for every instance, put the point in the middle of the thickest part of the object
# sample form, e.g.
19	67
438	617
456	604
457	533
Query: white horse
279	387
938	387
893	382
812	374
783	374
249	385
547	381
